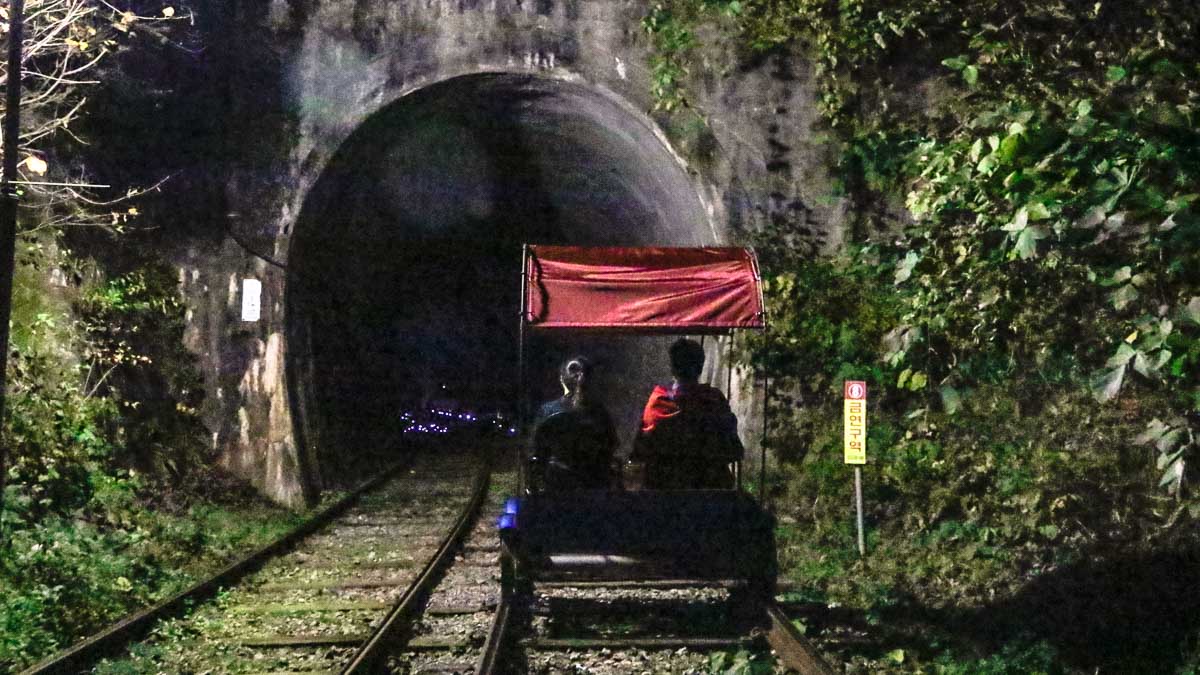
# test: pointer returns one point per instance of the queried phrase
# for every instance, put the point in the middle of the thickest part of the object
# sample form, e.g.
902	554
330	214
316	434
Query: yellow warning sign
855	420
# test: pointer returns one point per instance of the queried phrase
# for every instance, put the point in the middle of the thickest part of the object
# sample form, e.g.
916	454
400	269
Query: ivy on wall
1027	179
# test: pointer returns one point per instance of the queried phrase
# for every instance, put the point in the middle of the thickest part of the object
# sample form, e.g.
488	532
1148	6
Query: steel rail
370	655
793	649
134	626
489	661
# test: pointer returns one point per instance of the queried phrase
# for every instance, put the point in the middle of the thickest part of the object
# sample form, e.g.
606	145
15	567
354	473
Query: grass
62	578
996	544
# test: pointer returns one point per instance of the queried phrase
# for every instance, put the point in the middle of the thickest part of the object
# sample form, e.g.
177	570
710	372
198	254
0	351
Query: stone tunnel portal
404	266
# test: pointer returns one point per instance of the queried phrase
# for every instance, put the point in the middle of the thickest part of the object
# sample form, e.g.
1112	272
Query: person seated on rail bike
688	436
574	439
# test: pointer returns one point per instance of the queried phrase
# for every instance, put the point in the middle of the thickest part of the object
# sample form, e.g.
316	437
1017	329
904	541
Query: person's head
687	360
576	376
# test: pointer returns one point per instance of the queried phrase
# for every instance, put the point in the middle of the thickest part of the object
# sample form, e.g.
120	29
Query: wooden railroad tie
437	644
558	644
335	584
459	610
303	641
285	608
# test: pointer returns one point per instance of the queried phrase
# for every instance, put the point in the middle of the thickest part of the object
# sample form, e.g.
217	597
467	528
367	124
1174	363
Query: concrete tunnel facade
404	264
386	176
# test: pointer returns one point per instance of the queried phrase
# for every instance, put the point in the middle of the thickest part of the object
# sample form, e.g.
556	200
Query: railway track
325	600
406	579
473	620
665	626
449	632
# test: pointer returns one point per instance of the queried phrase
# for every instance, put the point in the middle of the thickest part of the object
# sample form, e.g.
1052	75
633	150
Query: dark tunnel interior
404	267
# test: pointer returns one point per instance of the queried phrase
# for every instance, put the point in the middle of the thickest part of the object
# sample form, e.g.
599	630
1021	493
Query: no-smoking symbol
856	390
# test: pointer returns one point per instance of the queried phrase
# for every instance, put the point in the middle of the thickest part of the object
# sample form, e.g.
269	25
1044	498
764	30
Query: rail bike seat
570	452
614	535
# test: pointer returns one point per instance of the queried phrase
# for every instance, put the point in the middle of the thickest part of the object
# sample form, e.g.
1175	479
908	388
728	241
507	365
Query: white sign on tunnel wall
251	299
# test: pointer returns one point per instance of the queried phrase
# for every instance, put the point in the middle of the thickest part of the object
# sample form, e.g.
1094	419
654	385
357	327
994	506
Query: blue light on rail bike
512	505
508	521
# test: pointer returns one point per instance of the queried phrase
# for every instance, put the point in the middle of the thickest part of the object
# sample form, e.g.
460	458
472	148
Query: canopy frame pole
762	467
762	303
521	369
729	369
737	466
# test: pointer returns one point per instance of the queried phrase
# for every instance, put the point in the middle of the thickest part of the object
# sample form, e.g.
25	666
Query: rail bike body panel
610	535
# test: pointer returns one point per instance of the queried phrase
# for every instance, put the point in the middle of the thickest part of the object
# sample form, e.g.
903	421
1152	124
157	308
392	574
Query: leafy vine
1047	159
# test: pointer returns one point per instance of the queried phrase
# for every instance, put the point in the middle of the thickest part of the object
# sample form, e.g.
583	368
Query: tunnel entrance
404	266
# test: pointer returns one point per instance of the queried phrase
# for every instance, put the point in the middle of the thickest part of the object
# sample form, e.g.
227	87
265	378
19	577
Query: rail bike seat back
570	452
689	451
615	535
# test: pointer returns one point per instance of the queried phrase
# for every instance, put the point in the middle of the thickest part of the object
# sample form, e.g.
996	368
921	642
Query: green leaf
1123	296
1115	74
1107	384
1180	202
896	656
1037	211
1026	246
971	75
1148	366
989	298
956	62
1124	355
903	379
1092	218
1169	442
1049	531
1164	356
951	401
1172	476
1083	108
1191	311
918	381
1019	221
1154	431
1120	276
1008	147
976	150
1168	455
1178	365
905	269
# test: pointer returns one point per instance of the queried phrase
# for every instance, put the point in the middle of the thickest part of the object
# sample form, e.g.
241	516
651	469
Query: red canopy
642	290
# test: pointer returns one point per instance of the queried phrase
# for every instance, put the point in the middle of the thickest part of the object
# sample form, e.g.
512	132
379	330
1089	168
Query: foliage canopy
1027	173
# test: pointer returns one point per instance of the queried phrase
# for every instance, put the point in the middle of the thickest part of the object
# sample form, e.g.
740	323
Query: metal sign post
855	444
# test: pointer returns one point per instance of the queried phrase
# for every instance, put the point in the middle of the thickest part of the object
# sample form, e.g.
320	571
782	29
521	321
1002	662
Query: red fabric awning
643	290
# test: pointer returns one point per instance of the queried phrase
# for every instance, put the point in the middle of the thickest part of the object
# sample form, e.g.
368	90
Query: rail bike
645	535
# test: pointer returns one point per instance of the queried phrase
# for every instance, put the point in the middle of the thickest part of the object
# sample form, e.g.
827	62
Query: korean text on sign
855	420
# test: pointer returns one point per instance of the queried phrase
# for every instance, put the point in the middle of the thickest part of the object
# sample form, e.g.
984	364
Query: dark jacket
572	447
687	438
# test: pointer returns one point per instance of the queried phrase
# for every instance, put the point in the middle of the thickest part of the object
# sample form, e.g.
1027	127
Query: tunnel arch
403	264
